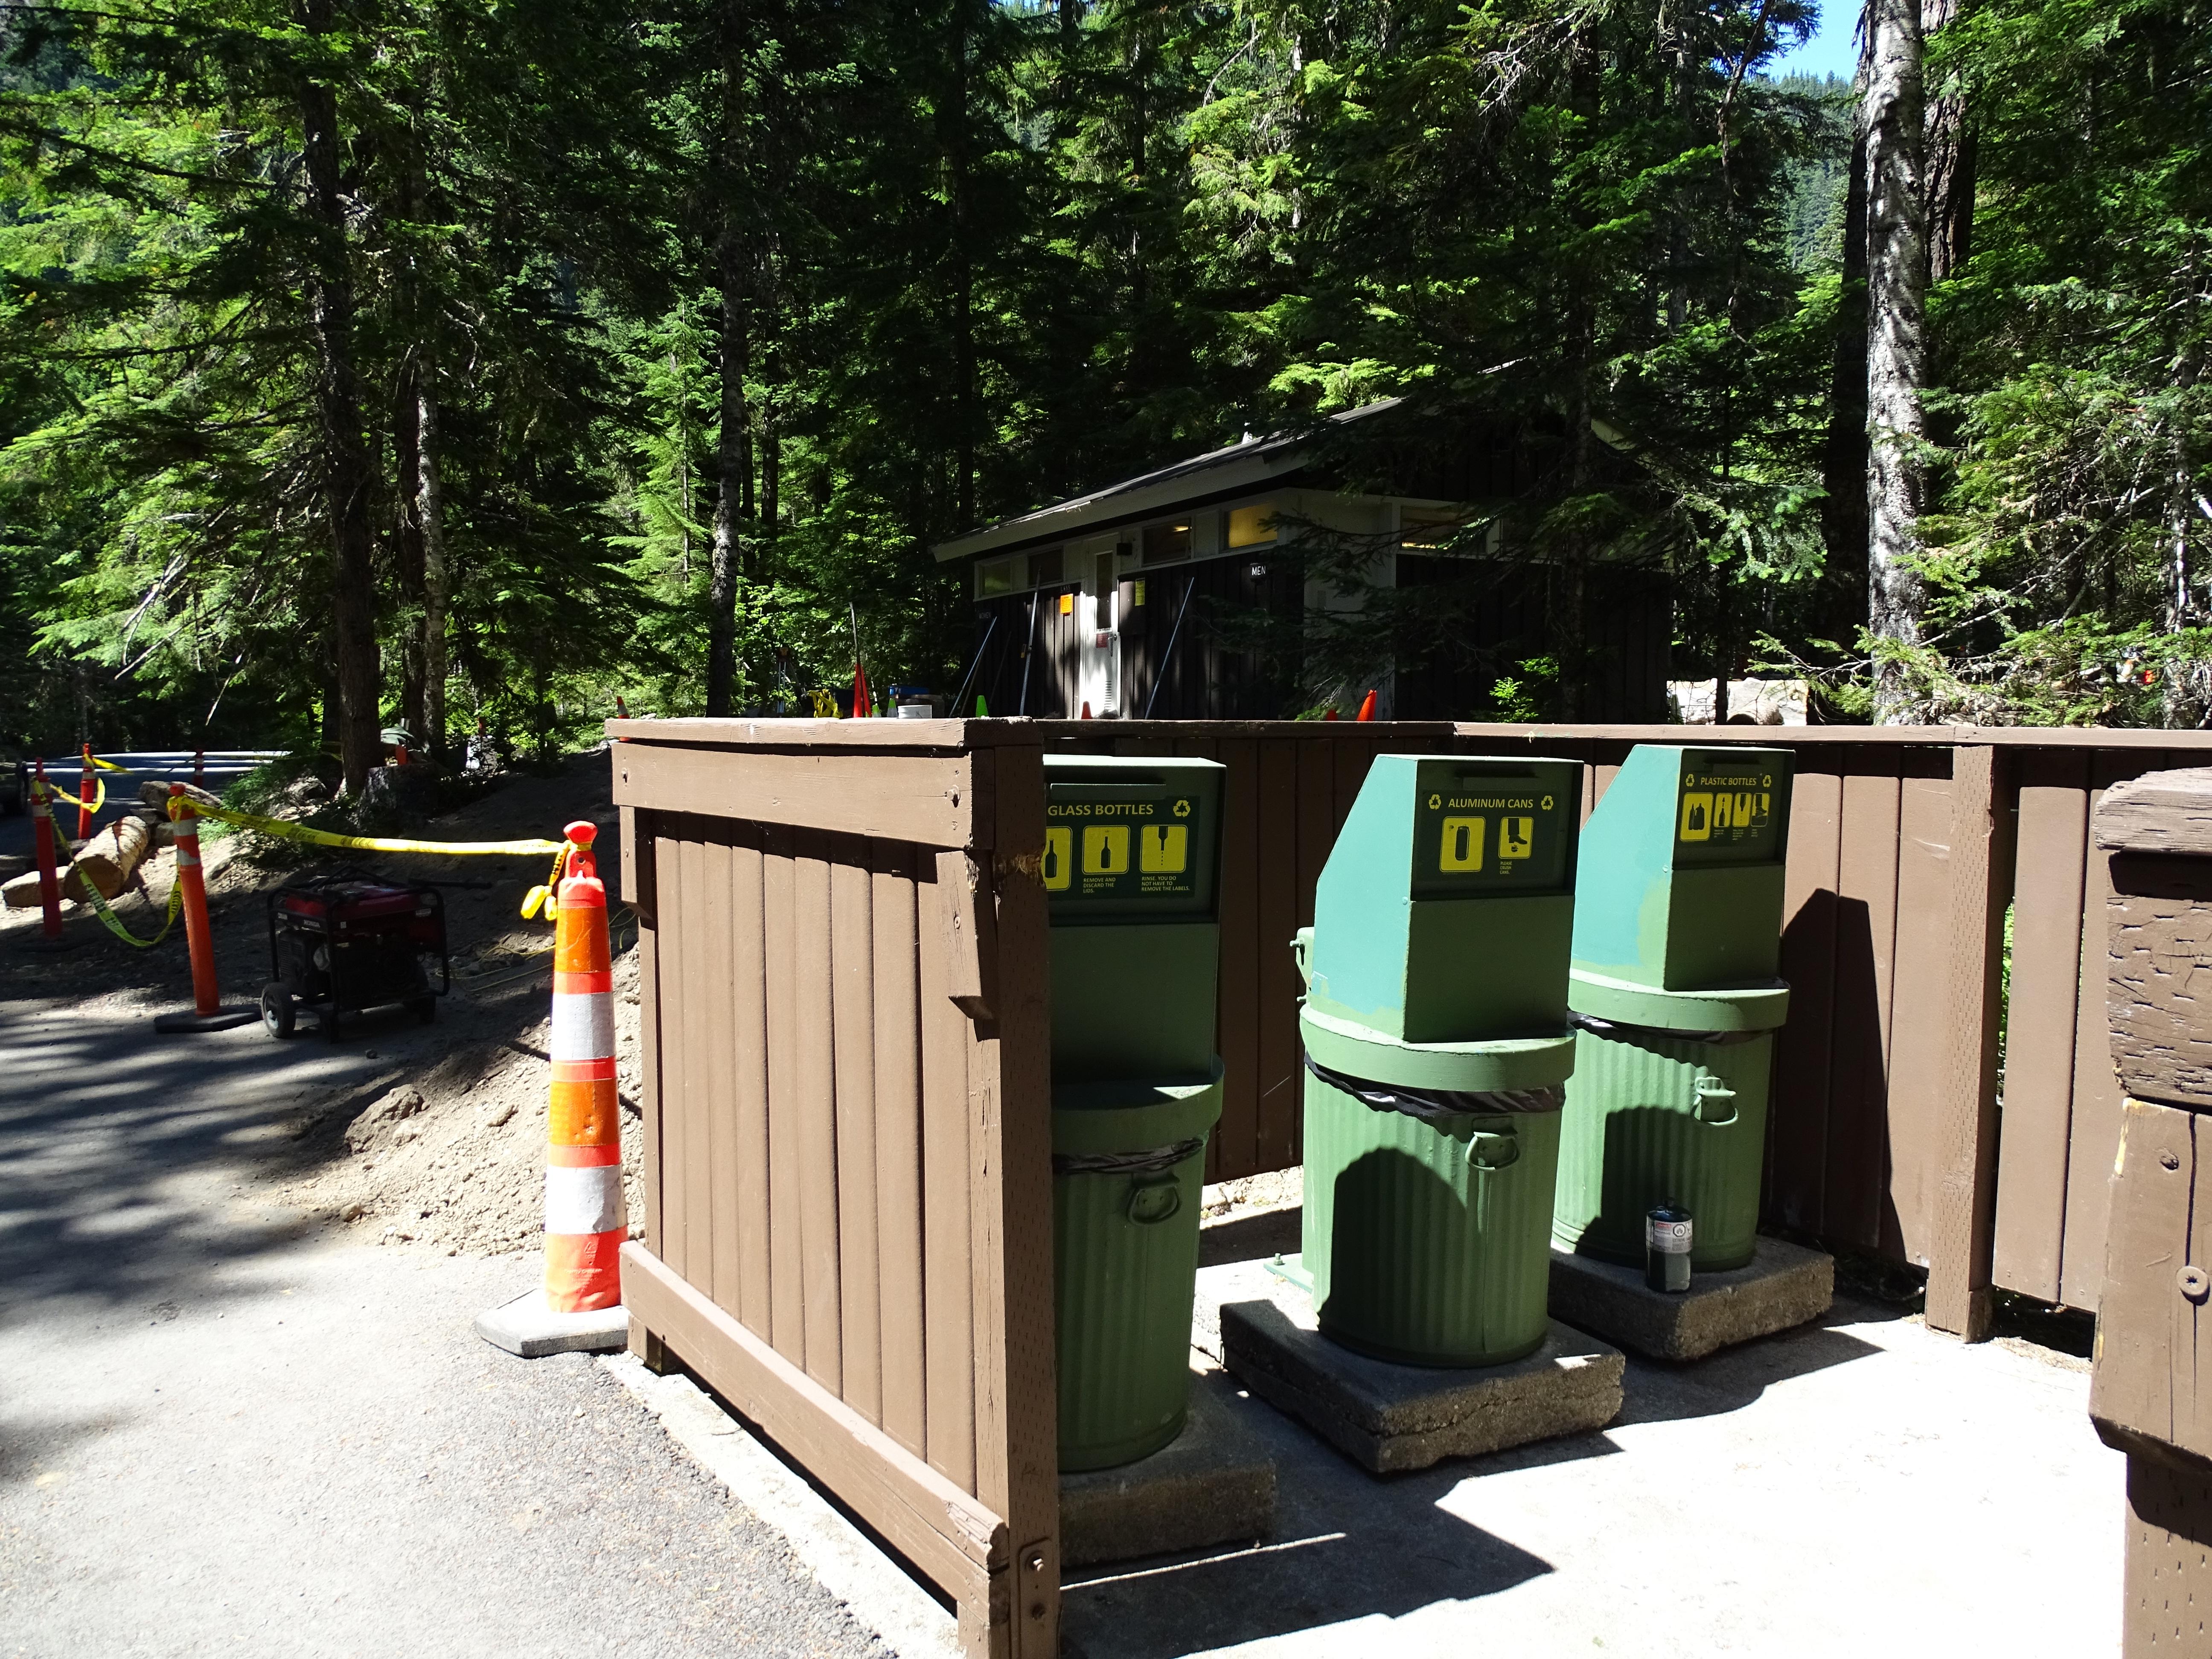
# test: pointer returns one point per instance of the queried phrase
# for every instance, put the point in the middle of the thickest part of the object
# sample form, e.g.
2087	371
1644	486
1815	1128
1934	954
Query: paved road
222	1432
219	772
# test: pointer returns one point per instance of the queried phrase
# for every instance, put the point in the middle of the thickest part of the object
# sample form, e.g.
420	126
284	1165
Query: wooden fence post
1960	1299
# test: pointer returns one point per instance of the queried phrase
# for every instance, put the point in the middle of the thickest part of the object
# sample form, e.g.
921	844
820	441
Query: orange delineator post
585	1219
42	832
87	790
199	942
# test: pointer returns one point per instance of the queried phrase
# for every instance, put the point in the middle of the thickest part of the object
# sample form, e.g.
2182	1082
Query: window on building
994	578
1251	526
1044	568
1166	543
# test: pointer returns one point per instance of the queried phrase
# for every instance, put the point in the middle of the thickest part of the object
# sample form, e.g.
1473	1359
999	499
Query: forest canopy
431	362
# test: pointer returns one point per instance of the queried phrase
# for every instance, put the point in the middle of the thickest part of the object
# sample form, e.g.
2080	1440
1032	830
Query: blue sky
1831	50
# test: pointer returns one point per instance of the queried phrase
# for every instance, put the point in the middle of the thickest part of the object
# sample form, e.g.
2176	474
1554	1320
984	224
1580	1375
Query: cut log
20	892
108	858
155	794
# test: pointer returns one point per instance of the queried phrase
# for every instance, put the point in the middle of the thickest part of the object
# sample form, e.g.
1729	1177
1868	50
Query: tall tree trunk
1951	158
1843	456
771	473
734	463
346	472
1897	284
407	465
437	584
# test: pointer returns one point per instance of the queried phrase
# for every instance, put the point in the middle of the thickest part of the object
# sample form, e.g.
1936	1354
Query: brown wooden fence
848	1180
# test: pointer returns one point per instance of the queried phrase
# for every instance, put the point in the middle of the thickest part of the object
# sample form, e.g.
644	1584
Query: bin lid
1733	1008
1488	1067
1133	1117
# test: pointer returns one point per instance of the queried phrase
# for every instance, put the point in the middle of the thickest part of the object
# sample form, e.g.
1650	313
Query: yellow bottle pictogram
1696	816
1163	849
1462	846
1059	859
1106	849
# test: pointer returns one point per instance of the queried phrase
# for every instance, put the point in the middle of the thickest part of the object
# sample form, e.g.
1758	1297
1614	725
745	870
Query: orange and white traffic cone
586	1220
1366	707
207	1012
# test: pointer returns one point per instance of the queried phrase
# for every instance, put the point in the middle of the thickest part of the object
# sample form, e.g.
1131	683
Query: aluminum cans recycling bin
1131	858
1436	1036
1677	939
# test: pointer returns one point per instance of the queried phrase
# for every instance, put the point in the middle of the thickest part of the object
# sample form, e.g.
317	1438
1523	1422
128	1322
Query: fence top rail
955	736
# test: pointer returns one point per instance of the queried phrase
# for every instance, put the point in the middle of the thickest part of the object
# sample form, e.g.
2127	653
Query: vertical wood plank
748	1010
1856	1164
2047	907
649	1068
1238	1133
1919	1029
2094	1134
1959	1299
897	996
1350	759
948	1363
1797	1131
787	1300
815	1115
1317	820
1279	1097
719	988
852	935
675	1056
699	969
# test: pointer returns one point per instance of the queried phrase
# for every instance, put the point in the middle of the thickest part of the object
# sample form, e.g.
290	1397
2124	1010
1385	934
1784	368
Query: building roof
1255	463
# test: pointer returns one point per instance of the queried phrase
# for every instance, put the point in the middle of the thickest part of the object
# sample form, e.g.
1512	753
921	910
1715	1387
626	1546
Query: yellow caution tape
115	923
98	793
371	843
106	766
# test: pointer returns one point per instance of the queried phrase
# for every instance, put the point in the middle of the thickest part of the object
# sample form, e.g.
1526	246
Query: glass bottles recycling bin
1132	850
1434	1026
1677	938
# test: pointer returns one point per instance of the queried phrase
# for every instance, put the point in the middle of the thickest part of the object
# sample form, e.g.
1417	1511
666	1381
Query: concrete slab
1391	1417
1214	1484
527	1327
1784	1285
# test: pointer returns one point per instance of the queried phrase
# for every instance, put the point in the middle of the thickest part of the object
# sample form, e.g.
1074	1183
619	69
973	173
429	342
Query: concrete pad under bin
1389	1418
1784	1285
1213	1484
528	1327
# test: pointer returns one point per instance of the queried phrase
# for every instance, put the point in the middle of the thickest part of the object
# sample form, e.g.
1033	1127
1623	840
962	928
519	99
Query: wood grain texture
948	1285
2159	985
692	1228
897	999
1797	1124
2093	1133
1238	1015
1959	1299
814	1115
2041	1021
2153	1376
1277	1099
786	1295
859	1259
1919	1029
915	798
650	1073
2158	812
1856	1162
2166	1579
747	1013
955	1541
718	988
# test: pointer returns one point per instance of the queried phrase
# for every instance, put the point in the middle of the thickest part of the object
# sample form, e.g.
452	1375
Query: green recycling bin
1677	939
1131	857
1434	1026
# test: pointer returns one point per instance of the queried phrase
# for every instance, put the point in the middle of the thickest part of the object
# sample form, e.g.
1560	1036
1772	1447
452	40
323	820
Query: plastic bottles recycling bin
1678	929
1131	857
1436	1036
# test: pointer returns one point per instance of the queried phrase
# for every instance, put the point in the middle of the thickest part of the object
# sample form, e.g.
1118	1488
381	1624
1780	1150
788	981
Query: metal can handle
1490	1150
1711	1092
1151	1202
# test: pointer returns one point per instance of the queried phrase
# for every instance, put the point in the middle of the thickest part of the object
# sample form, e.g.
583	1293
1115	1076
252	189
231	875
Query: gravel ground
225	1429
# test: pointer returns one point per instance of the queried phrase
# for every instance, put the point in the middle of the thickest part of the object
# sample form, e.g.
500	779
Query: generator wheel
277	1014
426	1010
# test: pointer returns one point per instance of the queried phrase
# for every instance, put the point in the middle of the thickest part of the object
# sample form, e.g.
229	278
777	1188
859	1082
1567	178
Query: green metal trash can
1131	854
1678	921
1436	1044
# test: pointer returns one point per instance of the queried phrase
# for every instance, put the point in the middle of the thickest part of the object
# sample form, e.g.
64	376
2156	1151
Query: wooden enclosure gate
848	1227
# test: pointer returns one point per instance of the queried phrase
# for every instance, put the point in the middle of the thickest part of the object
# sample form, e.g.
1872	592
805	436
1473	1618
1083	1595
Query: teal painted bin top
1443	913
1681	882
1131	839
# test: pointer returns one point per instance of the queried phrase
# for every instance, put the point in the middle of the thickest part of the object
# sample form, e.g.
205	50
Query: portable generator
338	945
